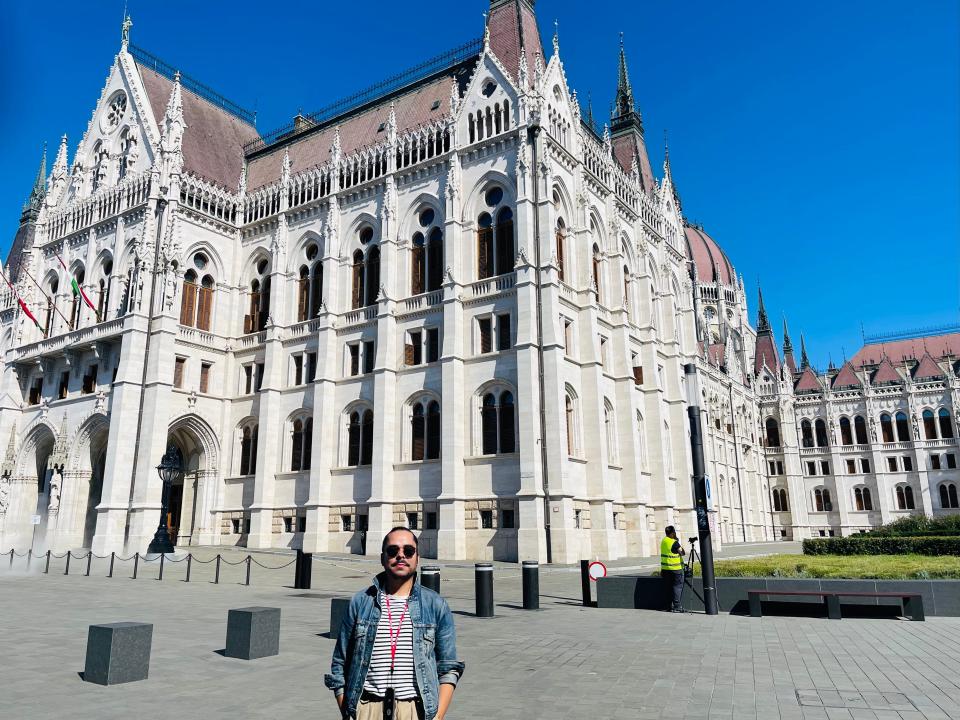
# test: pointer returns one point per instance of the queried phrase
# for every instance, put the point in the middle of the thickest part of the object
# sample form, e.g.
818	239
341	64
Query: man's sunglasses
393	550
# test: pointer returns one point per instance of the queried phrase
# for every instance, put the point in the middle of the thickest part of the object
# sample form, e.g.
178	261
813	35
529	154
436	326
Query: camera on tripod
693	539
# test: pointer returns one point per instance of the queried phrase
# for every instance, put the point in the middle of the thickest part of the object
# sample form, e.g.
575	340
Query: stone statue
56	480
4	495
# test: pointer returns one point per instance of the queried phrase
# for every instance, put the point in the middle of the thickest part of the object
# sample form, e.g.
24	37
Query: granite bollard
253	632
118	653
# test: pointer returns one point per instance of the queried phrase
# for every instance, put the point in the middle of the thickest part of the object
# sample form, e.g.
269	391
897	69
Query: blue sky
817	142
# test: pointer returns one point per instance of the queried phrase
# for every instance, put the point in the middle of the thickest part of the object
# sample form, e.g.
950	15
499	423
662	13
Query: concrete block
118	653
253	632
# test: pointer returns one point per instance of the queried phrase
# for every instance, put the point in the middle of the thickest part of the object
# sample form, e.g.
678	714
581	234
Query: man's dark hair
669	529
383	545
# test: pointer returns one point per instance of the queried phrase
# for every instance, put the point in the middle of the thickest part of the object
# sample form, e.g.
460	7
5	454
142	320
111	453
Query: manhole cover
853	699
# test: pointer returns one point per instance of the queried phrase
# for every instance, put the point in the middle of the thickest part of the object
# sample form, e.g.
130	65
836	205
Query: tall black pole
700	489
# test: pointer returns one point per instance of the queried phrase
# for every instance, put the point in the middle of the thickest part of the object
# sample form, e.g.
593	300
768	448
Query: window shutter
416	450
485	252
366	443
408	354
357	284
433	345
296	449
204	377
353	454
486	344
307	444
187	303
435	264
560	253
416	281
489	421
433	432
177	374
503	332
507	442
303	298
204	308
638	375
505	253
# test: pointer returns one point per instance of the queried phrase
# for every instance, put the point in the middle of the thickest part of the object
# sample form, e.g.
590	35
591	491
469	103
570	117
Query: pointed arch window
773	432
596	272
929	425
571	425
360	438
498	433
248	449
51	308
821	500
610	426
484	246
303	294
821	430
860	429
561	243
418	433
301	446
946	427
205	302
905	499
806	434
359	278
861	498
418	265
886	428
948	496
846	432
75	305
104	287
780	500
366	438
188	298
433	430
373	275
626	287
903	427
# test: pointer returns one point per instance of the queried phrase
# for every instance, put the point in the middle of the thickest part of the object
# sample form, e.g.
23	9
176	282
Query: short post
303	571
189	560
585	583
46	569
67	571
29	557
483	589
113	555
11	557
430	577
216	577
160	576
248	570
136	564
531	585
89	561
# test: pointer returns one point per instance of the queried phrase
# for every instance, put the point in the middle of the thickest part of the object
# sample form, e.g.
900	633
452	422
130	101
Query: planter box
645	592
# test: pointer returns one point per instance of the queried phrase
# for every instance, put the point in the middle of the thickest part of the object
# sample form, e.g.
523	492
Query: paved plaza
564	661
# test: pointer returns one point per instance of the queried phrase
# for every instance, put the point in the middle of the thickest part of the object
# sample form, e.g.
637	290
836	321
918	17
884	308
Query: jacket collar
378	585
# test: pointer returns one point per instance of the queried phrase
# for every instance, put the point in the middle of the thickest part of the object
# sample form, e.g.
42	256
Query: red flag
23	305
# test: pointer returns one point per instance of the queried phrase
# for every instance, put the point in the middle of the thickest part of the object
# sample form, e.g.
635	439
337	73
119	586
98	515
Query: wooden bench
912	602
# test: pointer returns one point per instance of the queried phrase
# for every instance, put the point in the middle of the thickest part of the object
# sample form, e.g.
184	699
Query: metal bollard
47	568
67	571
112	556
303	571
29	557
483	588
248	570
531	585
89	562
430	577
216	577
136	564
585	590
189	560
11	557
160	576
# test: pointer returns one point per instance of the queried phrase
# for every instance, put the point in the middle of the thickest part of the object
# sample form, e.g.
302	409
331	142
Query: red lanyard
394	639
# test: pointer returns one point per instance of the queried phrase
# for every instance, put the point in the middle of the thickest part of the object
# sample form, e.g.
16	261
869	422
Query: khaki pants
373	710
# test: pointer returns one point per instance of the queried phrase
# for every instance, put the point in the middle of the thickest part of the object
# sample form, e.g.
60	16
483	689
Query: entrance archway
191	499
32	484
85	475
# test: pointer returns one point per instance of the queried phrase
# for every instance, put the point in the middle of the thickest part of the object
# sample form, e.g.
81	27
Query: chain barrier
268	567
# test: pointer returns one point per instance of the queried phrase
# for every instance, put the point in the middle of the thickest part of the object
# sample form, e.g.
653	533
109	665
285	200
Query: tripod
688	571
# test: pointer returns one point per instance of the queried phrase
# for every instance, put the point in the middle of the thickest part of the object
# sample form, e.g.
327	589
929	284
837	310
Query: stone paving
564	661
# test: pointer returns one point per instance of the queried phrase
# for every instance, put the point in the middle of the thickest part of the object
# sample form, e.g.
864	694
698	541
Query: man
671	568
396	653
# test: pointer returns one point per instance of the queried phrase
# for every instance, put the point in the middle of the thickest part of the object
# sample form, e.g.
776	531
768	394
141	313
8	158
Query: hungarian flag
78	291
23	305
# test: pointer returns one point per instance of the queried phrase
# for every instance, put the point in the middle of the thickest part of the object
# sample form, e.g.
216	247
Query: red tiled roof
716	354
712	264
624	148
808	382
913	348
511	24
790	363
357	131
927	368
885	373
213	141
846	377
766	354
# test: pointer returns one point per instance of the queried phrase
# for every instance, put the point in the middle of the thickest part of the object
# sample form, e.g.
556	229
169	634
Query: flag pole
77	289
23	306
54	305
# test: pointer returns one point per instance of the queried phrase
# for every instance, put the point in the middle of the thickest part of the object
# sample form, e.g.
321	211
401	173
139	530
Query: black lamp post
169	470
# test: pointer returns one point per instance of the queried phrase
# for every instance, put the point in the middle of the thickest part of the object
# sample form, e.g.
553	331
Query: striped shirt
378	674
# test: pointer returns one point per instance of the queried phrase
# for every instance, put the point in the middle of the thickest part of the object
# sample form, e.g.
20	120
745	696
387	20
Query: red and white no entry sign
596	570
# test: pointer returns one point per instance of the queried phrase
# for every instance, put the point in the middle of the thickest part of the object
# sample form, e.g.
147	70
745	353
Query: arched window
773	432
433	430
297	460
205	302
316	288
248	449
610	425
641	441
806	434
780	500
495	246
435	260
418	265
561	249
360	438
821	429
626	287
188	298
862	499
903	427
303	294
846	431
484	246
373	275
104	287
310	285
946	427
75	306
821	500
596	272
886	428
359	279
418	433
905	498
505	251
570	420
259	308
51	308
929	425
860	429
948	496
498	434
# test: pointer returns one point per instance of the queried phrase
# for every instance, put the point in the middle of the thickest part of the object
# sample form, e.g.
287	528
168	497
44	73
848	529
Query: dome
712	264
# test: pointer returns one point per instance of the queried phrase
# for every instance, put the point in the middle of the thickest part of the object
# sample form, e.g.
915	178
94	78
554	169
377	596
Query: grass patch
870	567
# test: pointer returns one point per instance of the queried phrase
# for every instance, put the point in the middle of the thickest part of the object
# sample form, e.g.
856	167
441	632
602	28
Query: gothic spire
763	324
38	192
624	101
787	345
804	360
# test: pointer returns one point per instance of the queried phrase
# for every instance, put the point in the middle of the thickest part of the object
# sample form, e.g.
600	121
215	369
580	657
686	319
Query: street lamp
170	471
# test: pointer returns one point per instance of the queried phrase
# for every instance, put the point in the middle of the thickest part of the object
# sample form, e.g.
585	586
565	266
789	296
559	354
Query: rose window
118	106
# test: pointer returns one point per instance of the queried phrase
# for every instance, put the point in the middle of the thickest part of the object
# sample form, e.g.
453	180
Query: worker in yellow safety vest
671	568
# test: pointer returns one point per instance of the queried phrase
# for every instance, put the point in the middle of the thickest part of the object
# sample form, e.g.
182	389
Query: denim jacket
434	646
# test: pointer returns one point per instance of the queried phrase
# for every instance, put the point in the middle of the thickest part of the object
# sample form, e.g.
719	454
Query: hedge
879	545
920	526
